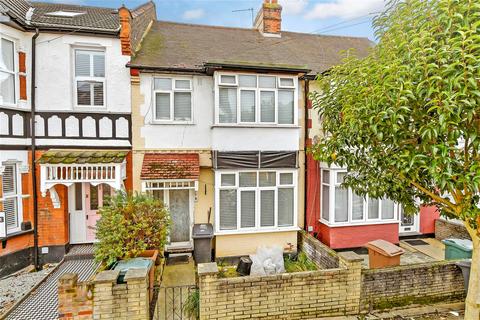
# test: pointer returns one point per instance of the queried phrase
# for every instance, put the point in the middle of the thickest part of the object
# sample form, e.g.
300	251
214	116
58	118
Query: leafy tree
129	225
405	120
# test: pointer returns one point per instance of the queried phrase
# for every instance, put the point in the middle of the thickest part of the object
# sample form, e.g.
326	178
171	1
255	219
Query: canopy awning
67	167
170	166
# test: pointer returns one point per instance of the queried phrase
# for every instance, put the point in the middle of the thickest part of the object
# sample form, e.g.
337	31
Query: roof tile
170	166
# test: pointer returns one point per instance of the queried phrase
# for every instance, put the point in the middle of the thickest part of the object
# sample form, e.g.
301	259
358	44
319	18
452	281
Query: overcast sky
336	17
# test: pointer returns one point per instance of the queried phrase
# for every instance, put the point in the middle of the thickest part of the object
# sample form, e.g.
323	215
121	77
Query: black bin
202	242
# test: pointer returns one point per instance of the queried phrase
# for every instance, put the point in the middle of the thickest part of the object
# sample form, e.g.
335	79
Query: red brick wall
313	192
428	215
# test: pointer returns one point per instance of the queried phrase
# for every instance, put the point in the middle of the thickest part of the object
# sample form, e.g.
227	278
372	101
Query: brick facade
447	229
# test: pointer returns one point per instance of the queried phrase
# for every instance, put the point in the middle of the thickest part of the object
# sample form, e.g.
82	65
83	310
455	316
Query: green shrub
301	263
129	225
191	308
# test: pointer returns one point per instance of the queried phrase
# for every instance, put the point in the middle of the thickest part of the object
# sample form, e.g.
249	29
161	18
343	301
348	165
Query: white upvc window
7	72
11	198
172	100
89	78
256	99
255	201
342	206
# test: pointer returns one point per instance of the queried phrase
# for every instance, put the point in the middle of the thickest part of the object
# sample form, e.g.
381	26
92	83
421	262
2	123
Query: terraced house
63	69
218	126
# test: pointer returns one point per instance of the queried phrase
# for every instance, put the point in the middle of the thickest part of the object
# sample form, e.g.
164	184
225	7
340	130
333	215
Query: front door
85	200
78	222
408	223
95	197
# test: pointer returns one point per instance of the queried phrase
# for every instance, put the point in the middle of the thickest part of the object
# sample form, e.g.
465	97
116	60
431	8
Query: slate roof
93	18
98	19
178	46
82	157
170	166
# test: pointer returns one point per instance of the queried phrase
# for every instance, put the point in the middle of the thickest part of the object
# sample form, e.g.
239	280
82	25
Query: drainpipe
34	175
305	194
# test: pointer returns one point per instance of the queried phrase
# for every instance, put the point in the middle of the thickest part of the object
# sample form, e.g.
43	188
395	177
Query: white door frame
415	227
77	233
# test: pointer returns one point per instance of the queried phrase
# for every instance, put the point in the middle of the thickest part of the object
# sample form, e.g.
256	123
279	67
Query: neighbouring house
340	218
218	126
75	57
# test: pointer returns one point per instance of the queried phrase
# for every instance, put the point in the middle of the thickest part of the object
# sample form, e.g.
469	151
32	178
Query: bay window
342	206
255	200
7	71
255	99
173	100
12	197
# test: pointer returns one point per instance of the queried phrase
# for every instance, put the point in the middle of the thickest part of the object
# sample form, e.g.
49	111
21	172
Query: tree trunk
472	303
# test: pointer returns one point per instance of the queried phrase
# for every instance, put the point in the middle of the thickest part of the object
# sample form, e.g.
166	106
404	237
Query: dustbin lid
202	230
464	244
384	247
135	263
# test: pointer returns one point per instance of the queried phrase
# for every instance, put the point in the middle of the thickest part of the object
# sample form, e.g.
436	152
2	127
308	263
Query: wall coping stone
207	268
136	274
350	256
107	276
429	264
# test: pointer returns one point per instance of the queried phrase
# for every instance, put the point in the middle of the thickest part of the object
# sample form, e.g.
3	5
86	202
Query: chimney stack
269	19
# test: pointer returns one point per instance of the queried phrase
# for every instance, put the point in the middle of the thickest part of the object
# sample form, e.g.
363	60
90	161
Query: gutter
34	175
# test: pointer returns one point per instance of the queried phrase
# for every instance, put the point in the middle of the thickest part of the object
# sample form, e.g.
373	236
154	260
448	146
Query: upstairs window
256	99
11	197
7	72
173	100
90	78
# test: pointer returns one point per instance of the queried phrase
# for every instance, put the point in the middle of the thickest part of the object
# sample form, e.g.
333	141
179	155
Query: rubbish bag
267	261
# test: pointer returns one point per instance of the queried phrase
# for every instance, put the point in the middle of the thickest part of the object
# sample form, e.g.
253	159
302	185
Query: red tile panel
170	166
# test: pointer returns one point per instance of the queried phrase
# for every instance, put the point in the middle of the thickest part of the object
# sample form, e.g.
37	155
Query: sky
333	17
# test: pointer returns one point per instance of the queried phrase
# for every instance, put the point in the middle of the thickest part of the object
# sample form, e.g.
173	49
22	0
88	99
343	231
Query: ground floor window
12	196
177	196
255	200
341	205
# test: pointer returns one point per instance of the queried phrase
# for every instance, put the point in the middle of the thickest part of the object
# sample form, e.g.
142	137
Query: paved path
41	304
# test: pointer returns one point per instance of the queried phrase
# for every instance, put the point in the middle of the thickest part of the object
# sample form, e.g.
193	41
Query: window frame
171	93
257	228
15	72
17	195
257	89
333	184
92	79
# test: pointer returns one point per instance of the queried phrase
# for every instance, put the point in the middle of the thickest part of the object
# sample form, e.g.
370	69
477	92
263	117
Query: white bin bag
267	261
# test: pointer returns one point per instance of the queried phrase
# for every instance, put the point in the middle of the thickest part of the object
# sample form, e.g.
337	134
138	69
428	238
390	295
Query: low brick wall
321	254
103	297
286	296
449	229
403	285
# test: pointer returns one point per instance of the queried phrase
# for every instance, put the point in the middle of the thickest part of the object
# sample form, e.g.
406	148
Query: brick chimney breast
269	19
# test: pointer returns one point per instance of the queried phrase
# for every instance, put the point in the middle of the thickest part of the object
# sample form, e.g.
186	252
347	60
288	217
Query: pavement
42	302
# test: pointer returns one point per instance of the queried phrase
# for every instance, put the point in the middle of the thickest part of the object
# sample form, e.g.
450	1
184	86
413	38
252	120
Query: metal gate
171	302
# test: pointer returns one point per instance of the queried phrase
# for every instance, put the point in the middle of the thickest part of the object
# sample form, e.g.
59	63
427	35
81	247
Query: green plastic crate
456	249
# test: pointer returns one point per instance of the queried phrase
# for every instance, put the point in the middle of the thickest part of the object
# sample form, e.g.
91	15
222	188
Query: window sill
357	224
176	123
255	231
16	234
276	126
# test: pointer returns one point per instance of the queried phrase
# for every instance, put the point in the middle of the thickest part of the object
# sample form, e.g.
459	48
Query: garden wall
104	298
286	296
420	284
322	255
450	229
